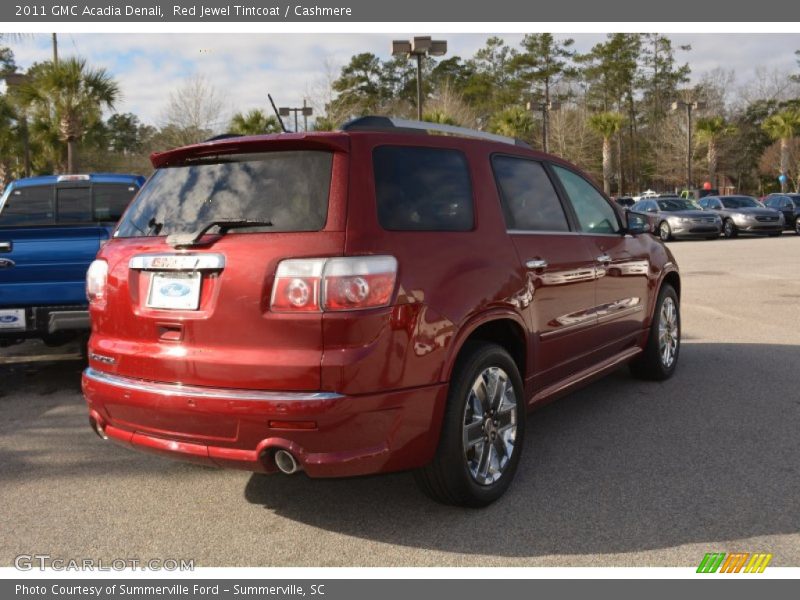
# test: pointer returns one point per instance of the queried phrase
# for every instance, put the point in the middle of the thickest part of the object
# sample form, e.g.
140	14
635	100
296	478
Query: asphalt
623	472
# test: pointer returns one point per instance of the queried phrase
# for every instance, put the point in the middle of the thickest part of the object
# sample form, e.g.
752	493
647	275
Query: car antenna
277	114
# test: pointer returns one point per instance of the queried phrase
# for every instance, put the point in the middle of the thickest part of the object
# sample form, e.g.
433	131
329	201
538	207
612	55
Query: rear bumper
42	321
239	428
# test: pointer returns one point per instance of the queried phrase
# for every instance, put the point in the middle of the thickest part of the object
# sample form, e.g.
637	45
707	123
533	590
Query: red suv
369	300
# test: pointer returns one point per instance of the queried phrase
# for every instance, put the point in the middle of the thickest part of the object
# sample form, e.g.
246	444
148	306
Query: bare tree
193	114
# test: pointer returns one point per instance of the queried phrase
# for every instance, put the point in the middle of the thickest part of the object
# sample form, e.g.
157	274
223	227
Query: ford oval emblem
9	319
175	290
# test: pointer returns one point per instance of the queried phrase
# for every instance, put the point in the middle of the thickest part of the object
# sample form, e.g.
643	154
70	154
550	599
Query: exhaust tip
286	463
98	429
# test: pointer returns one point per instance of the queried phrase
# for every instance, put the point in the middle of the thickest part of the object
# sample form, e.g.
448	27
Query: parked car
789	205
51	228
679	218
625	201
743	214
369	300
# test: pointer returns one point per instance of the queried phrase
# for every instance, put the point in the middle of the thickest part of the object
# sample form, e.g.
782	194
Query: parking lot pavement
622	473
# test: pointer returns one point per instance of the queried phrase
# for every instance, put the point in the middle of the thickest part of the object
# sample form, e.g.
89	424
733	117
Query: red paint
391	365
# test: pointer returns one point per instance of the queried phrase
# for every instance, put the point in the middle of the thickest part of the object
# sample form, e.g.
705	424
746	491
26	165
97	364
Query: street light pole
545	107
419	48
689	106
306	111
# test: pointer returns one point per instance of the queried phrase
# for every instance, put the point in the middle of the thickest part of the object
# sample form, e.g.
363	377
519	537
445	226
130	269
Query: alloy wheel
668	335
490	425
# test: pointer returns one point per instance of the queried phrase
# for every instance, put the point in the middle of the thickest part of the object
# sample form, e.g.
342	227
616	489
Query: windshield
739	202
287	189
674	204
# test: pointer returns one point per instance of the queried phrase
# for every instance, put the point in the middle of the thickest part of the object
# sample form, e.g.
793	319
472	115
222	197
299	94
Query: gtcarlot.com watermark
43	562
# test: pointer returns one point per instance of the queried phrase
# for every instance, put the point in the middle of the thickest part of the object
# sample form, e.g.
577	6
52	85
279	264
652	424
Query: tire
653	363
458	475
776	234
729	230
712	237
664	231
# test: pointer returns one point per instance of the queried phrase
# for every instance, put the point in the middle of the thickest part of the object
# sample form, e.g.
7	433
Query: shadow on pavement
621	466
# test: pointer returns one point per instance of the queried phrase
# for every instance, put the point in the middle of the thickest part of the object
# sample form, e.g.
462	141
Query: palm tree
514	122
71	96
710	131
254	122
439	116
783	126
607	125
7	139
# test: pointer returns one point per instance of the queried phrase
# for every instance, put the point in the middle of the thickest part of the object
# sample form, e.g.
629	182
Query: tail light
334	284
96	281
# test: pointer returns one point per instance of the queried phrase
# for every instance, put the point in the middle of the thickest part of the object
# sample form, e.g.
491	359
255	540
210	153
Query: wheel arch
505	328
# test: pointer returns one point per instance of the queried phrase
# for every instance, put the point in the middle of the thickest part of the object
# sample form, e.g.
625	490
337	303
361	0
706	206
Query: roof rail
222	136
371	123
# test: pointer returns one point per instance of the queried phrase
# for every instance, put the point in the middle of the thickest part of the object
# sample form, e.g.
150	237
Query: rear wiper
192	237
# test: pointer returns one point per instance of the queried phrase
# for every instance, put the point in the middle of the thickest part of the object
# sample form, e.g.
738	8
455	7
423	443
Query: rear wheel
482	431
664	232
729	229
660	356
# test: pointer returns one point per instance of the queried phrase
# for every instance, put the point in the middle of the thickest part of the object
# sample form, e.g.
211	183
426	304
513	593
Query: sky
244	67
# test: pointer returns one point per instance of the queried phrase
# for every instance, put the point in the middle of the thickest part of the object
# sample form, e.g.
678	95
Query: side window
422	189
530	202
74	205
703	203
595	214
769	202
28	207
111	200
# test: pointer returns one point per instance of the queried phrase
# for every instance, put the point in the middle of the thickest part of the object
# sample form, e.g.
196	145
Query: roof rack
223	136
372	123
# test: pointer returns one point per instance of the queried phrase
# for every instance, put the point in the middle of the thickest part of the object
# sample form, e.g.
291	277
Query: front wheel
482	430
660	356
729	229
664	232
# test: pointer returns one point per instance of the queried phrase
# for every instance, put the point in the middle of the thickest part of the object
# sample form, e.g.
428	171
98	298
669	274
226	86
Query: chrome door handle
5	246
536	263
603	258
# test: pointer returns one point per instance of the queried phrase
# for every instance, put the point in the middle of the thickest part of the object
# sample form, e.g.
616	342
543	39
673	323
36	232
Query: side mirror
637	223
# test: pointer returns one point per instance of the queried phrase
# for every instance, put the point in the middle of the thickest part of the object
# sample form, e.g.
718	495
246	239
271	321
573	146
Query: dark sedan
743	214
789	205
678	218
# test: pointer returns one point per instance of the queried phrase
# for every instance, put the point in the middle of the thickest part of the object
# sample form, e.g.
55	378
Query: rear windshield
289	190
44	205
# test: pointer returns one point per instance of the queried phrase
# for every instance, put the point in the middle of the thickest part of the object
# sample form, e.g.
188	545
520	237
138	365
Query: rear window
422	189
529	199
28	207
111	200
36	206
287	189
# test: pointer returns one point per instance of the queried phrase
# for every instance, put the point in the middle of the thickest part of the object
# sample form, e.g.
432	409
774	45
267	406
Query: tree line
611	110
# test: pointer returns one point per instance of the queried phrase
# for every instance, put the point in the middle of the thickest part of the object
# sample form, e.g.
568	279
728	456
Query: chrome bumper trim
194	391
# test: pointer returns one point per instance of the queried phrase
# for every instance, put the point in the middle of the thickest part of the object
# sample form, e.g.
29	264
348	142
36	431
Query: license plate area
174	291
12	319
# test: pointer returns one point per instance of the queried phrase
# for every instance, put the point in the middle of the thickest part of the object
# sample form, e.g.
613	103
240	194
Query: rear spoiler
336	142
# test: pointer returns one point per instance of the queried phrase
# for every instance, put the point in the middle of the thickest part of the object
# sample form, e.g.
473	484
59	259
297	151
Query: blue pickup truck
51	227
